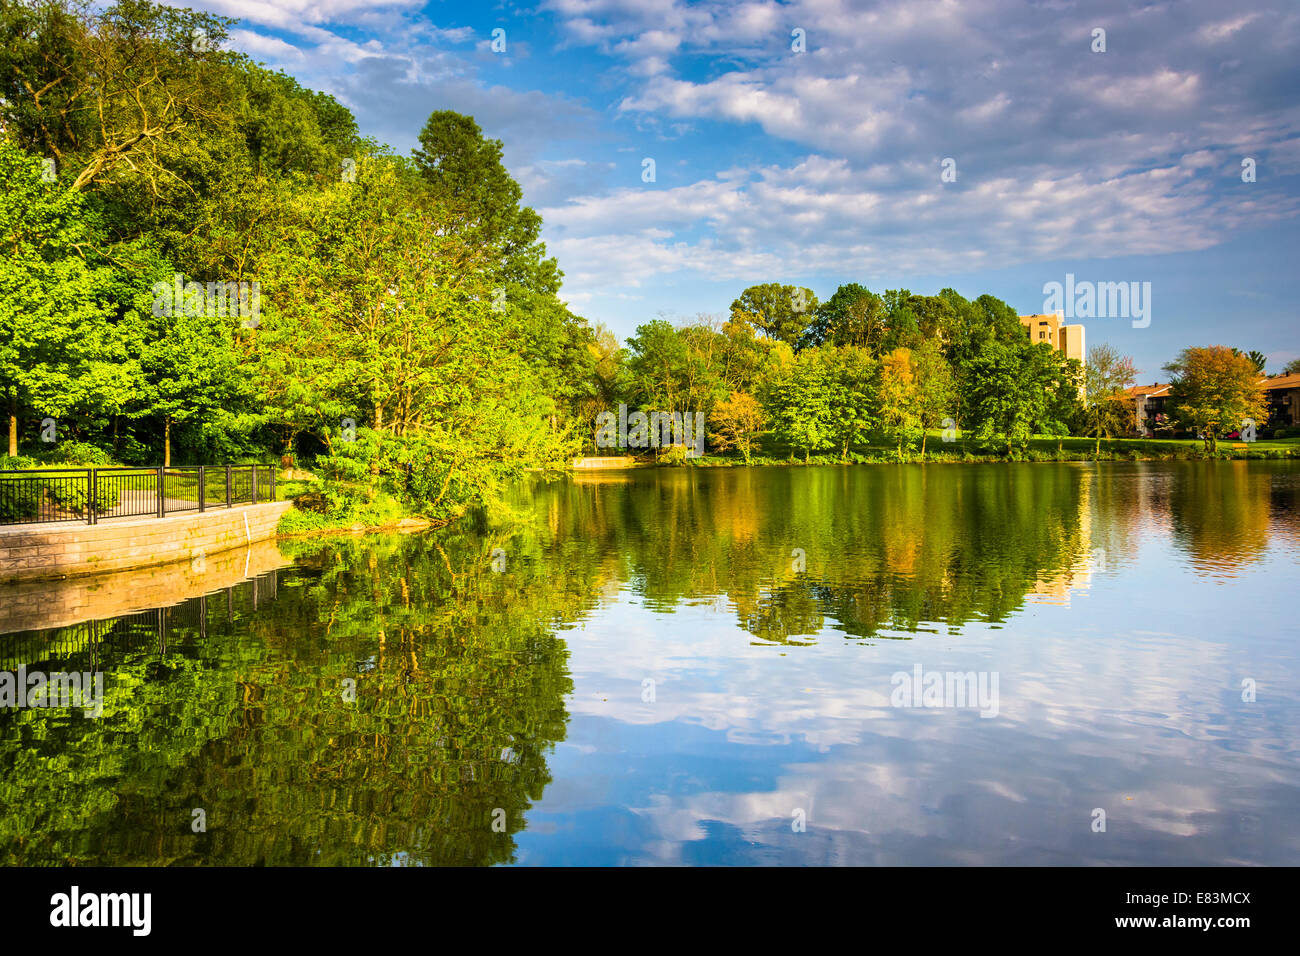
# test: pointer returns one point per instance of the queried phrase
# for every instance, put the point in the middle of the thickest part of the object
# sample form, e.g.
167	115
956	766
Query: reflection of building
1047	329
1055	587
1149	406
1282	392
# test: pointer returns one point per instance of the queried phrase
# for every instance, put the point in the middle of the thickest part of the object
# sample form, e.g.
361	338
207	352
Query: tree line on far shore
786	374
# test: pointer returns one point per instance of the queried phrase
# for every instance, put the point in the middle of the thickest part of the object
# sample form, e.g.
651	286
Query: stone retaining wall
51	551
40	604
612	461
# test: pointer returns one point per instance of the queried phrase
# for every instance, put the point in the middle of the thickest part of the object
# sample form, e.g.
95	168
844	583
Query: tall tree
936	392
110	93
780	312
852	409
59	346
854	316
900	399
737	421
798	403
465	172
1107	375
1214	390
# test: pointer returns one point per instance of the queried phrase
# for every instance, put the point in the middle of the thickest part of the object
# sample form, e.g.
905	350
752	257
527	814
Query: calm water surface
696	666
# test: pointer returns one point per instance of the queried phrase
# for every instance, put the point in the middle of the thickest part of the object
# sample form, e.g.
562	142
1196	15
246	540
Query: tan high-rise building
1048	329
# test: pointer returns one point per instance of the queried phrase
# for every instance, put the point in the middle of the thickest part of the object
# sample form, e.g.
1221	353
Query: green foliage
412	297
853	316
853	404
799	403
781	312
674	370
60	351
76	453
1213	391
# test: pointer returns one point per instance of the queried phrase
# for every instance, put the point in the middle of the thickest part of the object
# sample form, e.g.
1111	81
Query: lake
895	664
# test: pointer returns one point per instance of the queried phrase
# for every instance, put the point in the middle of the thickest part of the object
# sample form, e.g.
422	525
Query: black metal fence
89	495
91	645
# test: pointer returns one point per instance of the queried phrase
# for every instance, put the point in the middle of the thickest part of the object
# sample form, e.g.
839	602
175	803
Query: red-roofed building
1149	407
1282	393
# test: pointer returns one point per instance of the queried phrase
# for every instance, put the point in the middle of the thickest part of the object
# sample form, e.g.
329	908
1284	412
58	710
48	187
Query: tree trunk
167	442
13	429
924	436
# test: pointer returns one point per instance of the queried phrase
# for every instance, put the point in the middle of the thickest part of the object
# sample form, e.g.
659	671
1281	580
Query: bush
334	506
78	453
73	495
16	505
21	500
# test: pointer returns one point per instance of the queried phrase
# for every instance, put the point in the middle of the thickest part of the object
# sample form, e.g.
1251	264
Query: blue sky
824	166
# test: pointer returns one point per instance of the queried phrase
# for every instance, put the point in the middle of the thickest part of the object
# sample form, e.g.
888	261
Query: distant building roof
1281	381
1146	391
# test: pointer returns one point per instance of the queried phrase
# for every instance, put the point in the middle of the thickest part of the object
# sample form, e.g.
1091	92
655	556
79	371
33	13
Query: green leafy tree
466	175
780	312
669	369
1107	375
997	401
59	346
936	398
799	403
853	316
189	370
852	407
110	93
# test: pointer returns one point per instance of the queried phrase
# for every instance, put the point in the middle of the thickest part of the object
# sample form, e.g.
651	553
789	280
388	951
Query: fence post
161	489
253	495
227	486
273	498
203	489
90	495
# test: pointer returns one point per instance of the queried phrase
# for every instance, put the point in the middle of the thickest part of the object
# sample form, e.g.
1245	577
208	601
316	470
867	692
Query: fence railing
89	495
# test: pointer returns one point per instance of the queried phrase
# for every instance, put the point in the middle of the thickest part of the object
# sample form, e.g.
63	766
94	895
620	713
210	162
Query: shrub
78	453
73	495
675	456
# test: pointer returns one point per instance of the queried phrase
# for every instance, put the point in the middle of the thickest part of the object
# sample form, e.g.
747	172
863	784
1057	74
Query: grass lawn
1040	448
1158	446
